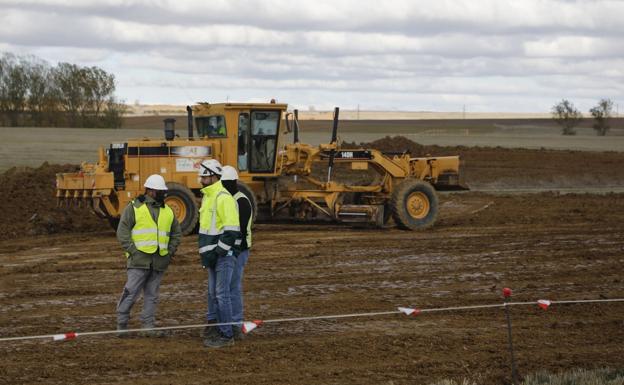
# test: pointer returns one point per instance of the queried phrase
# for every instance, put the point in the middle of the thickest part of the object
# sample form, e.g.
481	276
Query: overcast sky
486	55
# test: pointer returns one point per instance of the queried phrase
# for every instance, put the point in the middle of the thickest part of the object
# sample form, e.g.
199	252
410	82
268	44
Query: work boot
209	331
120	333
154	333
218	341
237	332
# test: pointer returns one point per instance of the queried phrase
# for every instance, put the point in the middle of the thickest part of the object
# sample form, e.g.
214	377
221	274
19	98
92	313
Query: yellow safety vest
248	237
149	236
215	219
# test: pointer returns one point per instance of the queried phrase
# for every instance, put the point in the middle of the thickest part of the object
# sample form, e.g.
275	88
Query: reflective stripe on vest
208	224
212	230
248	237
149	236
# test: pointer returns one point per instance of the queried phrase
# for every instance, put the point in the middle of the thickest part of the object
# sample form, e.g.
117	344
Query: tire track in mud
541	245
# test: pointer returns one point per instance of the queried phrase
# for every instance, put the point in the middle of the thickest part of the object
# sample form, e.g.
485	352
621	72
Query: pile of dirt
393	144
505	168
28	204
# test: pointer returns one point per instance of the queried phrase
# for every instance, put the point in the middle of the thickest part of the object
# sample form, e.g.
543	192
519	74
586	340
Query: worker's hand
222	252
208	259
130	254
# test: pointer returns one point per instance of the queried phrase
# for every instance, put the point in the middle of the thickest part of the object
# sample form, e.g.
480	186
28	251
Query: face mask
160	196
205	181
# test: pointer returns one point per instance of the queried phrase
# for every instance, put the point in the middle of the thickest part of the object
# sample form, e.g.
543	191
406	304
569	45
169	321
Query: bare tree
602	114
32	92
103	87
68	79
4	67
40	91
113	113
14	88
567	116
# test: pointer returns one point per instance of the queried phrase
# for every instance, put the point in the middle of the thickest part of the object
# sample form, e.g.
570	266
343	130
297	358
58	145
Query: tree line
34	93
568	116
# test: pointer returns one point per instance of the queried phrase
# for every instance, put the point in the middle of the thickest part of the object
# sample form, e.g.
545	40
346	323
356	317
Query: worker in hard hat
150	234
229	179
219	229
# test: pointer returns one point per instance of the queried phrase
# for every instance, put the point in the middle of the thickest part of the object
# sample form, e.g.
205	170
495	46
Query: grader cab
293	180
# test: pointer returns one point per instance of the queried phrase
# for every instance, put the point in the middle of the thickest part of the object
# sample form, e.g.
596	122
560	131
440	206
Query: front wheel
184	206
414	205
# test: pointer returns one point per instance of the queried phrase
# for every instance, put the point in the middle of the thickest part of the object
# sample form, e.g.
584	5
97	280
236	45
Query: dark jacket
244	212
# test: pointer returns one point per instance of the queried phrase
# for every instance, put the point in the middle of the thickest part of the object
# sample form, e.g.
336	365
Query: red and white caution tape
249	326
543	303
66	336
409	311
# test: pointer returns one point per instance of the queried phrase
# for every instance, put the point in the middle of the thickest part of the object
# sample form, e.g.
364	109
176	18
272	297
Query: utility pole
464	112
358	112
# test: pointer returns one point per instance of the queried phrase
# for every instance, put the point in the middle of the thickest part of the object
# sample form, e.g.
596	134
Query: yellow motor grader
293	180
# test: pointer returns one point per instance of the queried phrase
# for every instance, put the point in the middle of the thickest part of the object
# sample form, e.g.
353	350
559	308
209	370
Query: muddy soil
29	207
544	246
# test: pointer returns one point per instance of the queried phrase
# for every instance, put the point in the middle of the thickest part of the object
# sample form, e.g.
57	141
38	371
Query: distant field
509	133
149	110
28	146
31	146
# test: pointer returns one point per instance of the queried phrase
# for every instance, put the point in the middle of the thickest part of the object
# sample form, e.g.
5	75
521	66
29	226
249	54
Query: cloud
489	52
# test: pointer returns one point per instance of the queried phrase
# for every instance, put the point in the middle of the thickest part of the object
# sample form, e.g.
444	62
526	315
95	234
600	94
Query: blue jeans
219	300
236	288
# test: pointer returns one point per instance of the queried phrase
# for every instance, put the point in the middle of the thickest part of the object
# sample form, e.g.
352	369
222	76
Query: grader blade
371	214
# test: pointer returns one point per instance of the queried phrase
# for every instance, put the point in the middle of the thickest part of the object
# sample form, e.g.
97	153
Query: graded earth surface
548	224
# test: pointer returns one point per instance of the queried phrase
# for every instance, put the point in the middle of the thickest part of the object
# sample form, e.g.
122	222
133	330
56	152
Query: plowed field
63	272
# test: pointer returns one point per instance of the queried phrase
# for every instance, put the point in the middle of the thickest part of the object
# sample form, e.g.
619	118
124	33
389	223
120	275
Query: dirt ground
65	273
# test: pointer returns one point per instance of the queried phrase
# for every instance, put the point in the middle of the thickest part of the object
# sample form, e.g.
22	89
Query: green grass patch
602	376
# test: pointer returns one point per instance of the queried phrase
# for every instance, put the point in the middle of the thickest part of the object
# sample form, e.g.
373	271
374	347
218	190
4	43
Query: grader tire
242	187
414	205
184	206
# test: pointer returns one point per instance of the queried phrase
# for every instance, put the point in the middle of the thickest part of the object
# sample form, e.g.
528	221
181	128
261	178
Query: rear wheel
414	205
184	206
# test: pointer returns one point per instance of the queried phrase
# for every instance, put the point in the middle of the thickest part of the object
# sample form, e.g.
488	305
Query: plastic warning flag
409	311
543	303
249	326
64	337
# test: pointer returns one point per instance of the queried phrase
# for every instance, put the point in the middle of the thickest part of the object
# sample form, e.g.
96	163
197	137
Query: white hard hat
210	167
155	182
229	173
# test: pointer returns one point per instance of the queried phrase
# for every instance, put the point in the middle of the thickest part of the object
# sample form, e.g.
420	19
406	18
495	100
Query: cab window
211	126
264	126
243	141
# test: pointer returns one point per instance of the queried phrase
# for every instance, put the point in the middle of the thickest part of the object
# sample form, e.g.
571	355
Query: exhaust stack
169	128
189	115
